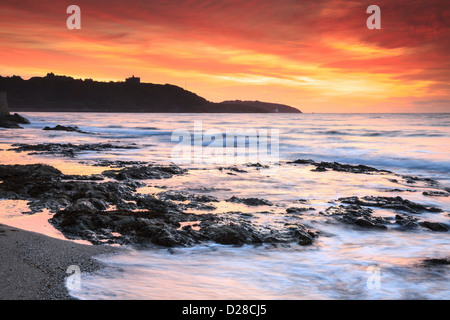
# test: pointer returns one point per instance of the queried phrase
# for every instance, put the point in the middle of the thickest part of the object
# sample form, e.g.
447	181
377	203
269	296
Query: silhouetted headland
268	107
54	93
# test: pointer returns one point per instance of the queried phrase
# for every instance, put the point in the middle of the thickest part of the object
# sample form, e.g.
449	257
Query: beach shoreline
329	219
33	266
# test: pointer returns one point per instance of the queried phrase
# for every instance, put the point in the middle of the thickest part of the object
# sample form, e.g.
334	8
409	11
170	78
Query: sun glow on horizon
317	57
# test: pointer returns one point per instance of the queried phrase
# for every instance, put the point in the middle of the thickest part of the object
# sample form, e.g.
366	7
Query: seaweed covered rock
65	128
357	215
166	229
145	172
395	203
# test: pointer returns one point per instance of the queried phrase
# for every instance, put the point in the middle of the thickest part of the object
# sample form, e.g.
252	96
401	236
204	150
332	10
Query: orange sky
317	56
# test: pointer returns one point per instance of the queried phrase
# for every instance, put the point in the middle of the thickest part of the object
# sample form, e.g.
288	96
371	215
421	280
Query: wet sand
33	266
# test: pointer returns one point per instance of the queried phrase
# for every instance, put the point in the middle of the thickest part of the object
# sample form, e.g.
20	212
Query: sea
344	262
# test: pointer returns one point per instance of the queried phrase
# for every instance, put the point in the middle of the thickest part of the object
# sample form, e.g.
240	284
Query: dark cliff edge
66	94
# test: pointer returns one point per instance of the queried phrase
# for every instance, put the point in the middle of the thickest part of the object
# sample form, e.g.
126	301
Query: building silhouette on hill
133	80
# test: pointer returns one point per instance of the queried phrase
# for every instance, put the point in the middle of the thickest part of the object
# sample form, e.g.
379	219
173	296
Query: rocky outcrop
356	215
144	172
65	128
6	119
250	201
165	229
359	212
89	208
395	203
66	149
336	166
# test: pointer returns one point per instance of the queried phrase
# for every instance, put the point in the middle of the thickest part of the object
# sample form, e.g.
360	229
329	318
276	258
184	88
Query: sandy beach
33	266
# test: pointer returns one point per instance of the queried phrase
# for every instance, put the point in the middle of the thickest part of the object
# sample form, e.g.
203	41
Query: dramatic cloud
316	55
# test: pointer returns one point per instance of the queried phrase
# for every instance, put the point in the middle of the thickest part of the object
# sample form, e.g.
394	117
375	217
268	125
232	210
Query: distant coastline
55	93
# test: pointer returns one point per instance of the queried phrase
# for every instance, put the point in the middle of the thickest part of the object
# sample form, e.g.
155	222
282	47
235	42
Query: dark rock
13	172
152	204
184	196
81	211
434	226
256	165
117	163
47	187
81	205
94	177
436	262
301	235
232	168
335	166
9	124
363	222
395	203
85	204
297	210
19	119
400	190
292	232
406	221
65	150
414	179
12	121
65	128
303	161
233	234
250	201
302	201
164	229
134	227
357	215
362	169
145	172
435	193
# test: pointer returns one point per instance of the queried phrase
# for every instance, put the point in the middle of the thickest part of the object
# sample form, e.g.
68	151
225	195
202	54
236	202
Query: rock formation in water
6	119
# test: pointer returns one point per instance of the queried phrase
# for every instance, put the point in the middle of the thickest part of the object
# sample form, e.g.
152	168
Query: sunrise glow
317	56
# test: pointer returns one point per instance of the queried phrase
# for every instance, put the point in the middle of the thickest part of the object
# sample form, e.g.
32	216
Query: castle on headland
133	80
60	93
52	76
